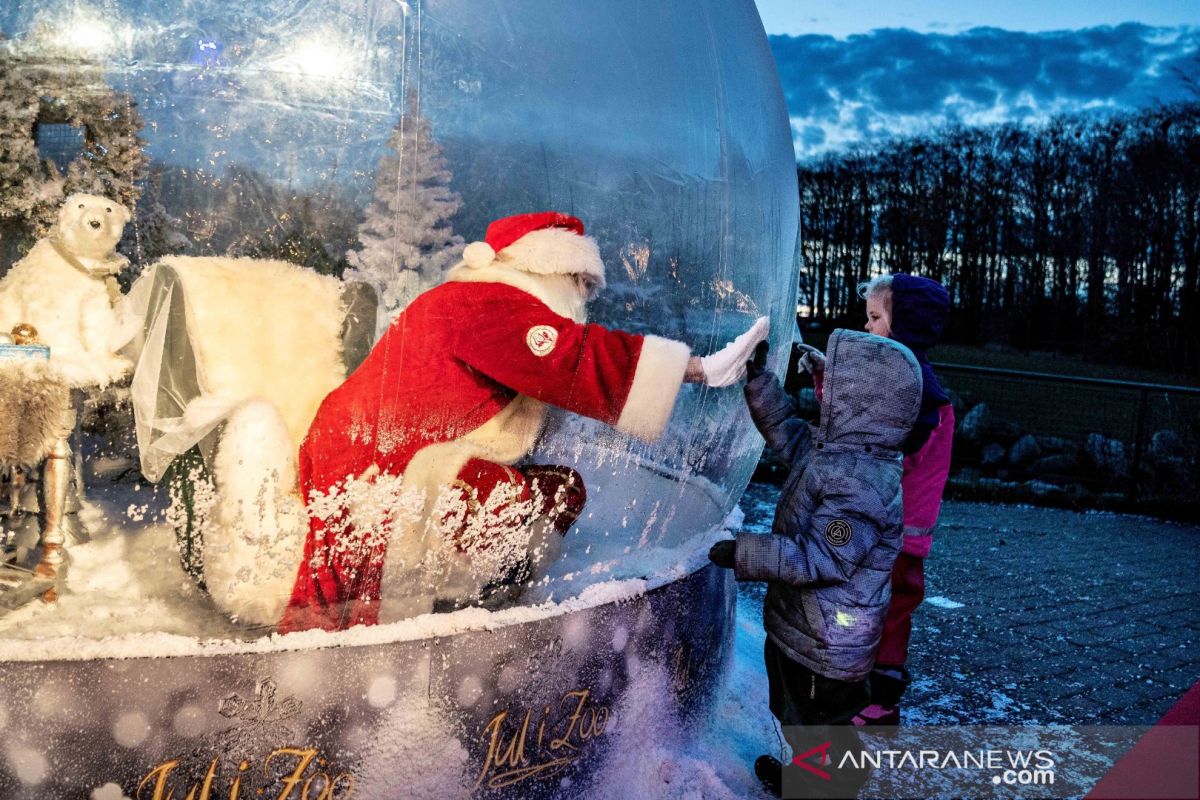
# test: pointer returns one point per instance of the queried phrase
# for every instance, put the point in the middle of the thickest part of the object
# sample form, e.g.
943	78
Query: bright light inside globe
323	57
86	34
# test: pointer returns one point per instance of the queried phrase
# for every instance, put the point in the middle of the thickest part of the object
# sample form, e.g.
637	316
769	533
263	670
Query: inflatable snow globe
358	445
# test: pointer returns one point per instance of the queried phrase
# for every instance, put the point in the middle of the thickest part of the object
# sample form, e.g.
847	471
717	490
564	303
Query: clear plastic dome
366	144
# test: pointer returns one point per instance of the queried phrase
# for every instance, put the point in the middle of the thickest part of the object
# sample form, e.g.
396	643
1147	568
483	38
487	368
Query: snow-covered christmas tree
408	243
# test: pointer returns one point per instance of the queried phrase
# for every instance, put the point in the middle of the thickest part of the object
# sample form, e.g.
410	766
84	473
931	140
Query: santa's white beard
564	296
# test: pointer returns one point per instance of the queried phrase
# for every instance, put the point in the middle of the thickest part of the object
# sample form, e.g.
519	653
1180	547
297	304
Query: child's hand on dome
757	365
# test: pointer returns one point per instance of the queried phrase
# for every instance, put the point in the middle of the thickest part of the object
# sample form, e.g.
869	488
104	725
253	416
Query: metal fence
1137	440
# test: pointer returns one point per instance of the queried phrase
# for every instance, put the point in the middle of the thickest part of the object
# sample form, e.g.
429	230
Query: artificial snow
127	597
131	729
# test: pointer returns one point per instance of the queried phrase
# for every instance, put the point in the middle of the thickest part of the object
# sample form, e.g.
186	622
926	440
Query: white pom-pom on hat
478	255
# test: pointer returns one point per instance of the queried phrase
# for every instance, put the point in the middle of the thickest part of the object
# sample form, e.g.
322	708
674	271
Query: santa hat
543	243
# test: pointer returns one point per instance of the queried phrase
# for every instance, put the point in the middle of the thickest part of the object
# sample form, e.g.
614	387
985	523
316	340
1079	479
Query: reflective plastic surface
368	142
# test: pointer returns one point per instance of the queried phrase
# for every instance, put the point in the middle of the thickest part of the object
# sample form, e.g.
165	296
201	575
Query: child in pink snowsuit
913	311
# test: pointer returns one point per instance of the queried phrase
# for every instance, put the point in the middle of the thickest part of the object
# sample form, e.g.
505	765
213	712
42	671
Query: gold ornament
24	333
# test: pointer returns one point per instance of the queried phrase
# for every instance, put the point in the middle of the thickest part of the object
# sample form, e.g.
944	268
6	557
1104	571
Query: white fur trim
656	383
266	329
555	251
478	255
255	537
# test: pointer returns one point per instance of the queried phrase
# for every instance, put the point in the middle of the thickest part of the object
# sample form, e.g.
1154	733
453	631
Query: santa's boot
253	546
558	492
506	525
558	499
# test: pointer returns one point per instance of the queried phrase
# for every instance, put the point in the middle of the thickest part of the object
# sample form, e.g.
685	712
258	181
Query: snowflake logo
260	718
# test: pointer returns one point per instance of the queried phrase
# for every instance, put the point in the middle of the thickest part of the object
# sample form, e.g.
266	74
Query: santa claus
408	467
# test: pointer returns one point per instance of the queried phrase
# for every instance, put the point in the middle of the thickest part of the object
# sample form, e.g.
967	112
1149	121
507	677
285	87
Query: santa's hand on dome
727	366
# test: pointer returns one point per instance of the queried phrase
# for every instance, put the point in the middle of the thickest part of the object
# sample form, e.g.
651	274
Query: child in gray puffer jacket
837	531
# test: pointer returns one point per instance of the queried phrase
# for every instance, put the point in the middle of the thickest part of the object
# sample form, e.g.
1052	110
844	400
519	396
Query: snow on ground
125	580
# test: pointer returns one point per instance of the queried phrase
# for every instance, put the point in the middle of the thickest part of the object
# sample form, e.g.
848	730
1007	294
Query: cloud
892	82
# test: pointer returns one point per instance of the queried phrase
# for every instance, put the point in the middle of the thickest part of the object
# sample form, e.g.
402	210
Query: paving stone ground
1065	617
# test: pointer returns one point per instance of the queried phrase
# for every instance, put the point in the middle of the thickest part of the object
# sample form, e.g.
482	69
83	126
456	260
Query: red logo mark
821	750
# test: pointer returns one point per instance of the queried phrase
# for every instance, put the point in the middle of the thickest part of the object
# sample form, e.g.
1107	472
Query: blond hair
877	285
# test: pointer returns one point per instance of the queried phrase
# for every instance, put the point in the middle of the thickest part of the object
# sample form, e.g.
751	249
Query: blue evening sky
844	17
856	71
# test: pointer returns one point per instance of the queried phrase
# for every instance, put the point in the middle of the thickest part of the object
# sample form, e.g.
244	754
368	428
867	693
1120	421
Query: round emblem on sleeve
541	339
837	533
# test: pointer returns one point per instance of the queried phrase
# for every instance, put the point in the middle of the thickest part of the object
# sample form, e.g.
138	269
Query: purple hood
920	307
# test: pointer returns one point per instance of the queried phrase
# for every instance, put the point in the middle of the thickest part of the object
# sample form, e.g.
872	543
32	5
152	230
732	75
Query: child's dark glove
811	359
722	553
757	364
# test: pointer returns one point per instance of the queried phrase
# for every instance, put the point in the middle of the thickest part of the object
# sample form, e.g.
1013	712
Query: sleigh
235	357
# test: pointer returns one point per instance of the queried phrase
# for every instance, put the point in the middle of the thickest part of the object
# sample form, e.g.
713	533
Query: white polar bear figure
65	288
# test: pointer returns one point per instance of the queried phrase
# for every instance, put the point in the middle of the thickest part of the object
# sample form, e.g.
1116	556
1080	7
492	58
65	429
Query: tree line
1081	235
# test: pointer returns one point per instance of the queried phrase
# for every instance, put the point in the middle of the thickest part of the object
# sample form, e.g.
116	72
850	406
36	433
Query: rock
1166	446
980	424
1107	455
992	454
1077	493
1044	490
975	422
992	484
1055	466
1004	431
956	402
1025	451
1055	445
1171	472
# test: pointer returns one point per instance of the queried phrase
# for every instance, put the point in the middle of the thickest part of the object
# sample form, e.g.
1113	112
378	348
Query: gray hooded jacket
838	526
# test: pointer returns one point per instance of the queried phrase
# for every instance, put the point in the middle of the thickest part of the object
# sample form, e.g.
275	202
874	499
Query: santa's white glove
727	366
812	361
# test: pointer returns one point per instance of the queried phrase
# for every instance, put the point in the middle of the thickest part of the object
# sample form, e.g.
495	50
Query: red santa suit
463	377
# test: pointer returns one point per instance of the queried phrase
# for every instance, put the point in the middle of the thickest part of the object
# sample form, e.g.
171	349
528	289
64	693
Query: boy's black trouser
815	713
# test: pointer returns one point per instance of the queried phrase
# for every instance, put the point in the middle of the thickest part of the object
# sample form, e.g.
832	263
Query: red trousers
908	590
339	586
487	490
